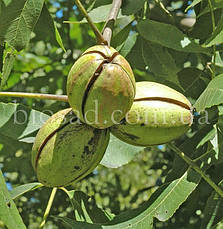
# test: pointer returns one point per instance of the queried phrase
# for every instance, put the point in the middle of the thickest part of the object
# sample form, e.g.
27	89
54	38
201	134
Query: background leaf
100	14
85	208
18	121
9	214
20	190
168	36
162	205
118	153
17	21
7	67
159	61
213	213
132	6
212	95
195	2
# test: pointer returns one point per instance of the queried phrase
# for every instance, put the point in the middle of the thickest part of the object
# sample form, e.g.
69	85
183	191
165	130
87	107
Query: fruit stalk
34	96
49	205
108	27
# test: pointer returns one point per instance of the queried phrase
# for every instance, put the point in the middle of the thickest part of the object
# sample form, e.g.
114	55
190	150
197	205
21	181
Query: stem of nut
49	205
108	27
34	96
99	37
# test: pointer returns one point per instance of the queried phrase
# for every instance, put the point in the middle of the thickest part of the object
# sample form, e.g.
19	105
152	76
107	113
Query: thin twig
49	205
194	166
203	155
99	37
107	30
35	96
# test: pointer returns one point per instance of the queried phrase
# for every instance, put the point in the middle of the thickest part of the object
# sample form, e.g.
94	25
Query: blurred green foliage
42	67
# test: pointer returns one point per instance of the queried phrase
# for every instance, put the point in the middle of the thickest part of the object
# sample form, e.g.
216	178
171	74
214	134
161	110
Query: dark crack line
95	76
163	99
49	137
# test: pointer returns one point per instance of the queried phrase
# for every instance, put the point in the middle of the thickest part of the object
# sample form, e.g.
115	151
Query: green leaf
168	36
9	214
162	205
128	44
132	6
194	3
218	226
58	37
7	67
18	121
135	57
160	61
208	137
7	2
100	14
46	29
216	4
17	21
172	195
20	190
119	153
203	28
193	81
189	147
213	212
85	208
219	61
120	38
212	95
217	36
216	156
219	146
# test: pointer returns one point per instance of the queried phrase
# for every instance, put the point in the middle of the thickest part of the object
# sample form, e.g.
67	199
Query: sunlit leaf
17	21
20	190
118	153
18	121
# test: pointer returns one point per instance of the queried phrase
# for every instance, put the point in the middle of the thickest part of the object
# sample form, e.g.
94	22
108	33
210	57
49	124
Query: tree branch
35	96
99	37
107	30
